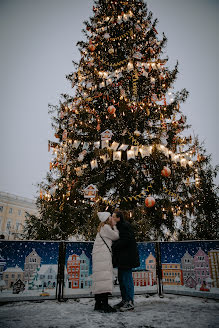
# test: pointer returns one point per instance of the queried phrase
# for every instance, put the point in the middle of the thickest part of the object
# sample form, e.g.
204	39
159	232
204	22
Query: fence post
159	269
61	271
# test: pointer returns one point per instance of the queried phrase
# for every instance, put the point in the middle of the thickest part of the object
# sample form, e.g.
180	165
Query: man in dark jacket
125	257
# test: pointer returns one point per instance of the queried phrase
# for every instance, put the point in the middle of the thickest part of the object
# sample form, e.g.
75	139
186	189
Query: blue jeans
126	284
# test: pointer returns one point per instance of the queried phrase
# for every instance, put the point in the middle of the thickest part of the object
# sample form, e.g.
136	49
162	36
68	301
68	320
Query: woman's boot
105	306
98	303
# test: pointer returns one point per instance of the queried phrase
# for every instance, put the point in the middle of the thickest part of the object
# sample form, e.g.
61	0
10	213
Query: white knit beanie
103	216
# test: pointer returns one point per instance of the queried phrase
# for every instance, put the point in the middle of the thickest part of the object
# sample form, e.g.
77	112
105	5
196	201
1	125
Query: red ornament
98	127
111	109
91	47
166	171
150	201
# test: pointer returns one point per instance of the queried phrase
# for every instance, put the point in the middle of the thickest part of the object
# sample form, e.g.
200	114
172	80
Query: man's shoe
127	306
119	305
108	309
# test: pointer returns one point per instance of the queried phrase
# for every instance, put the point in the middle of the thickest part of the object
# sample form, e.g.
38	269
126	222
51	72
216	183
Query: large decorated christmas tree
121	140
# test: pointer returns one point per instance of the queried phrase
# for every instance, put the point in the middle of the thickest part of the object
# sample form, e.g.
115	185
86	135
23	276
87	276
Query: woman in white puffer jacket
102	275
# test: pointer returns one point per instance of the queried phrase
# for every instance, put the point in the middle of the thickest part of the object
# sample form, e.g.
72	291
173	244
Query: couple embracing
114	246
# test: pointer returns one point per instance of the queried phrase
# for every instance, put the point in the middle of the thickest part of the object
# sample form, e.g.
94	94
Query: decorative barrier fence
31	270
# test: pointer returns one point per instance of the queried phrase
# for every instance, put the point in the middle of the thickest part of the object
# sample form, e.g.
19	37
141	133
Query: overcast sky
38	43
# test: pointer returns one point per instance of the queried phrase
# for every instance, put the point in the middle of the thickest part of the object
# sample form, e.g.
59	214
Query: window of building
8	226
201	258
6	276
17	225
12	276
10	210
151	261
75	284
1	208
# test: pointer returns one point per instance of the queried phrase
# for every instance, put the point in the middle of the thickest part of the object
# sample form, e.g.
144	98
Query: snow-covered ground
150	311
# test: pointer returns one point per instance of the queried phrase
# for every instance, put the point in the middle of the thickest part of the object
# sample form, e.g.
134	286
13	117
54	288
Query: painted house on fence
11	275
150	265
73	270
48	275
2	266
85	281
187	264
142	277
32	263
214	267
18	287
172	274
201	266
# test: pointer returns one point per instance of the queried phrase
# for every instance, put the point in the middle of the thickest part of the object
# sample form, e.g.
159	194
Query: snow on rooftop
14	269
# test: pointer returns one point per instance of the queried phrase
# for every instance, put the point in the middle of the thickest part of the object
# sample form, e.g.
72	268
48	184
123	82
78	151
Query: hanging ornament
64	135
111	51
150	201
166	171
91	47
90	191
90	64
106	36
111	110
137	133
138	27
98	127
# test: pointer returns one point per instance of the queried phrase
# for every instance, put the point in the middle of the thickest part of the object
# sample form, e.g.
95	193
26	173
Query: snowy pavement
171	311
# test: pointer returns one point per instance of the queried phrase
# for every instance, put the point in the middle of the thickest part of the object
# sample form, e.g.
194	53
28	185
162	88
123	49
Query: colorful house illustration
142	277
172	274
85	281
150	265
214	267
2	266
187	265
11	275
48	275
18	287
201	266
73	270
32	262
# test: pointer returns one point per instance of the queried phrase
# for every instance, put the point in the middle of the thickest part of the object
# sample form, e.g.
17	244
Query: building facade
73	270
13	215
142	277
32	263
150	265
187	264
214	267
48	275
2	266
172	274
11	275
85	281
201	266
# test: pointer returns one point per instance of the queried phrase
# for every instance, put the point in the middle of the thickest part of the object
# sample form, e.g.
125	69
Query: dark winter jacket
125	251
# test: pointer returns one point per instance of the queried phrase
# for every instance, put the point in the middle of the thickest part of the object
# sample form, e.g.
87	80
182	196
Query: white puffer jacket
102	275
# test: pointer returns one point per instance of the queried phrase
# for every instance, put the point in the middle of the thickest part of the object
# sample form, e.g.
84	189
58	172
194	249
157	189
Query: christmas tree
121	137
